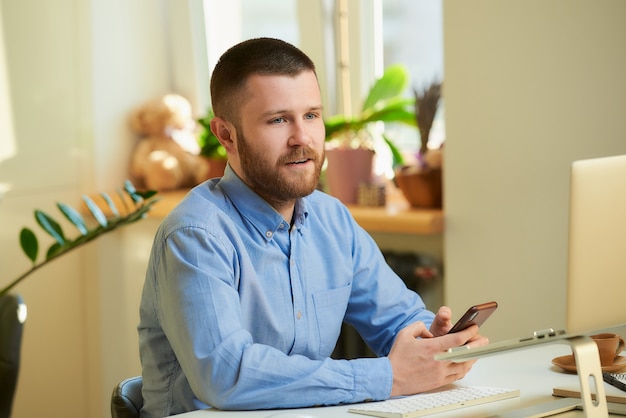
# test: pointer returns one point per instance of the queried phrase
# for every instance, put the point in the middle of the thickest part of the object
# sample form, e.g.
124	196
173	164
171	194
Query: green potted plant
136	206
210	147
350	138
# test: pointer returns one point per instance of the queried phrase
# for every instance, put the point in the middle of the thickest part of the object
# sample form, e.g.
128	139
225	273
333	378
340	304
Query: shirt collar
256	209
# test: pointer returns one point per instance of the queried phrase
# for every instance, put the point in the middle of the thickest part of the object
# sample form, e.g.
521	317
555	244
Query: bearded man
252	275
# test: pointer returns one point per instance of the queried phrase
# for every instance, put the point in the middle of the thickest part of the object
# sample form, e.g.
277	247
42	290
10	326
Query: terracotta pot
347	168
216	167
422	188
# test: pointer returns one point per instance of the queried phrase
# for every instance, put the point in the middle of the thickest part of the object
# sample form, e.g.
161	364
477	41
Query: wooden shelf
399	220
397	217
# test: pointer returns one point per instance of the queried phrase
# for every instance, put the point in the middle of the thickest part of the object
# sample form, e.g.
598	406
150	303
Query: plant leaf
147	194
392	115
132	192
74	217
393	82
129	187
53	250
396	155
50	226
122	197
339	123
210	146
111	205
95	211
29	244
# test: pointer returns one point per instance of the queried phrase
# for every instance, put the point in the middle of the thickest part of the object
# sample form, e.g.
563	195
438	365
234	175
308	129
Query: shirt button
299	315
269	234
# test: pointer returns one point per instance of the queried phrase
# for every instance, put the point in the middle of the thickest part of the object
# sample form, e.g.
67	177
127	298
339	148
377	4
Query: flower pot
422	188
216	167
347	169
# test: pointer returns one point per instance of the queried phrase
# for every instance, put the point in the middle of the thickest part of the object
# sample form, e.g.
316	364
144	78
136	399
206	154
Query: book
613	394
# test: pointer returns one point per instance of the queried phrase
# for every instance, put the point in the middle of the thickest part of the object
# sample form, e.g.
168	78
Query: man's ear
225	133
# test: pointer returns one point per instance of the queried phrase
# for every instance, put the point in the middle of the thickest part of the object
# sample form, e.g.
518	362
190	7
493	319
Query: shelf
396	217
399	220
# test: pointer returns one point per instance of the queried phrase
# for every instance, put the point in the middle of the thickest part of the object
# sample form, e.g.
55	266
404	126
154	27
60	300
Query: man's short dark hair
266	56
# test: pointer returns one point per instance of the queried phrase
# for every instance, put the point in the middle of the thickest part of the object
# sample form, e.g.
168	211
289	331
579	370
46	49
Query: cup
610	347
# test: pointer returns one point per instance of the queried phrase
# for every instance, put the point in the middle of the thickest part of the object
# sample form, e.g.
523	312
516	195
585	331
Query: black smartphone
475	315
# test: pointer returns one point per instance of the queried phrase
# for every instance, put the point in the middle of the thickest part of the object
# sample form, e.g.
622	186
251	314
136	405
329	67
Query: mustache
299	154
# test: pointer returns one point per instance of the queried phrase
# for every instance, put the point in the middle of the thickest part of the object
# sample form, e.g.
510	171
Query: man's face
280	138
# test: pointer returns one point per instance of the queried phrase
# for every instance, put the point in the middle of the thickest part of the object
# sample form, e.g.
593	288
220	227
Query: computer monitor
596	279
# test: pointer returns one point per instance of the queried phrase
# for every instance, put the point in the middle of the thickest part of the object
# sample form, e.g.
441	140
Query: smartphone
476	315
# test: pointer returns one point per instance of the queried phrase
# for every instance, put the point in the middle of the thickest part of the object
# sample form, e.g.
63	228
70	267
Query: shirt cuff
373	378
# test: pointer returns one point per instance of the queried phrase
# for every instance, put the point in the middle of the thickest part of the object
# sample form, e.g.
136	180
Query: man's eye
311	116
278	120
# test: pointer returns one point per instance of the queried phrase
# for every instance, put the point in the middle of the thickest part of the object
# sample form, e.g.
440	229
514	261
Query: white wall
42	69
75	70
529	87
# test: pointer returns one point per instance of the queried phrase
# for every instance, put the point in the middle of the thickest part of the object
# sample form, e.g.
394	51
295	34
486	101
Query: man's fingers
442	324
417	330
444	314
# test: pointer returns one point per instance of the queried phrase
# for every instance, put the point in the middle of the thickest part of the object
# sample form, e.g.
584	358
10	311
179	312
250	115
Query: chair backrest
126	401
12	318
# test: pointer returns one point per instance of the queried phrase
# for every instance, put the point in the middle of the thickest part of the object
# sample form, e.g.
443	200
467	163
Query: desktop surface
528	369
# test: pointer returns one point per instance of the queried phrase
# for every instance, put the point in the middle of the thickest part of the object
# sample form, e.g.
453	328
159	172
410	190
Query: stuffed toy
166	156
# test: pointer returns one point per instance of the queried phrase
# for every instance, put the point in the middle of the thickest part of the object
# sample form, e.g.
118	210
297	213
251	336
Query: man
251	276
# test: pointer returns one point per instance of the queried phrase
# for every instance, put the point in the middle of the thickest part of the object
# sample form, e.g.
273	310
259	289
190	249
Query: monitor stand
590	376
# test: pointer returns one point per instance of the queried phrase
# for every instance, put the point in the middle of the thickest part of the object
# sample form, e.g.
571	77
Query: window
225	23
412	33
273	18
382	32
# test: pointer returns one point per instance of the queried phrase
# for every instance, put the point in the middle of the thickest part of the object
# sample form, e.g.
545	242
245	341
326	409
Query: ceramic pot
347	169
422	188
216	167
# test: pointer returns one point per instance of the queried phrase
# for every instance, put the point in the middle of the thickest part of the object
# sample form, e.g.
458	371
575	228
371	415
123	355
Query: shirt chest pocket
330	308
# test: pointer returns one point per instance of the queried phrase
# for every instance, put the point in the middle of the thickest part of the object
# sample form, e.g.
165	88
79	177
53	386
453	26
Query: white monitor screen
596	289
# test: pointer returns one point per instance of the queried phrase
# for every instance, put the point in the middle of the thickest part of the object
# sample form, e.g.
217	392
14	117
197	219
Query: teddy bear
166	156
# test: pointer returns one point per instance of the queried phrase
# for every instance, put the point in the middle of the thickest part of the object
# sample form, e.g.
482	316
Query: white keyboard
432	403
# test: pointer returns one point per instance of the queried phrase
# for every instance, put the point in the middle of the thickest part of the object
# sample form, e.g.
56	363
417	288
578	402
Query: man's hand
442	322
412	359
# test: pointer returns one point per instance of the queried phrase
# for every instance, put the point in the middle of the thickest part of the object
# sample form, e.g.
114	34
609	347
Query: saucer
568	364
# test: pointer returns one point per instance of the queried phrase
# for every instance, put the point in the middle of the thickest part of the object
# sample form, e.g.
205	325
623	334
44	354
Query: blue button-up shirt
241	310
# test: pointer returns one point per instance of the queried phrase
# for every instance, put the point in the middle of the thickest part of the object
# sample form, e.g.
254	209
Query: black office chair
12	318
126	401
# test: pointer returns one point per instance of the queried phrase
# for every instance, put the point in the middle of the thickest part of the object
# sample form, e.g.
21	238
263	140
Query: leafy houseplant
139	205
210	147
136	206
385	102
350	138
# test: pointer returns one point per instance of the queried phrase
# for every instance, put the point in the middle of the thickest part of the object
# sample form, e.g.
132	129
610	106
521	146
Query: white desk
529	370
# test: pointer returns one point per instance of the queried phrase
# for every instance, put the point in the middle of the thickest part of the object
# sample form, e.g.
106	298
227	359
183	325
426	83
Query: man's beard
268	178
